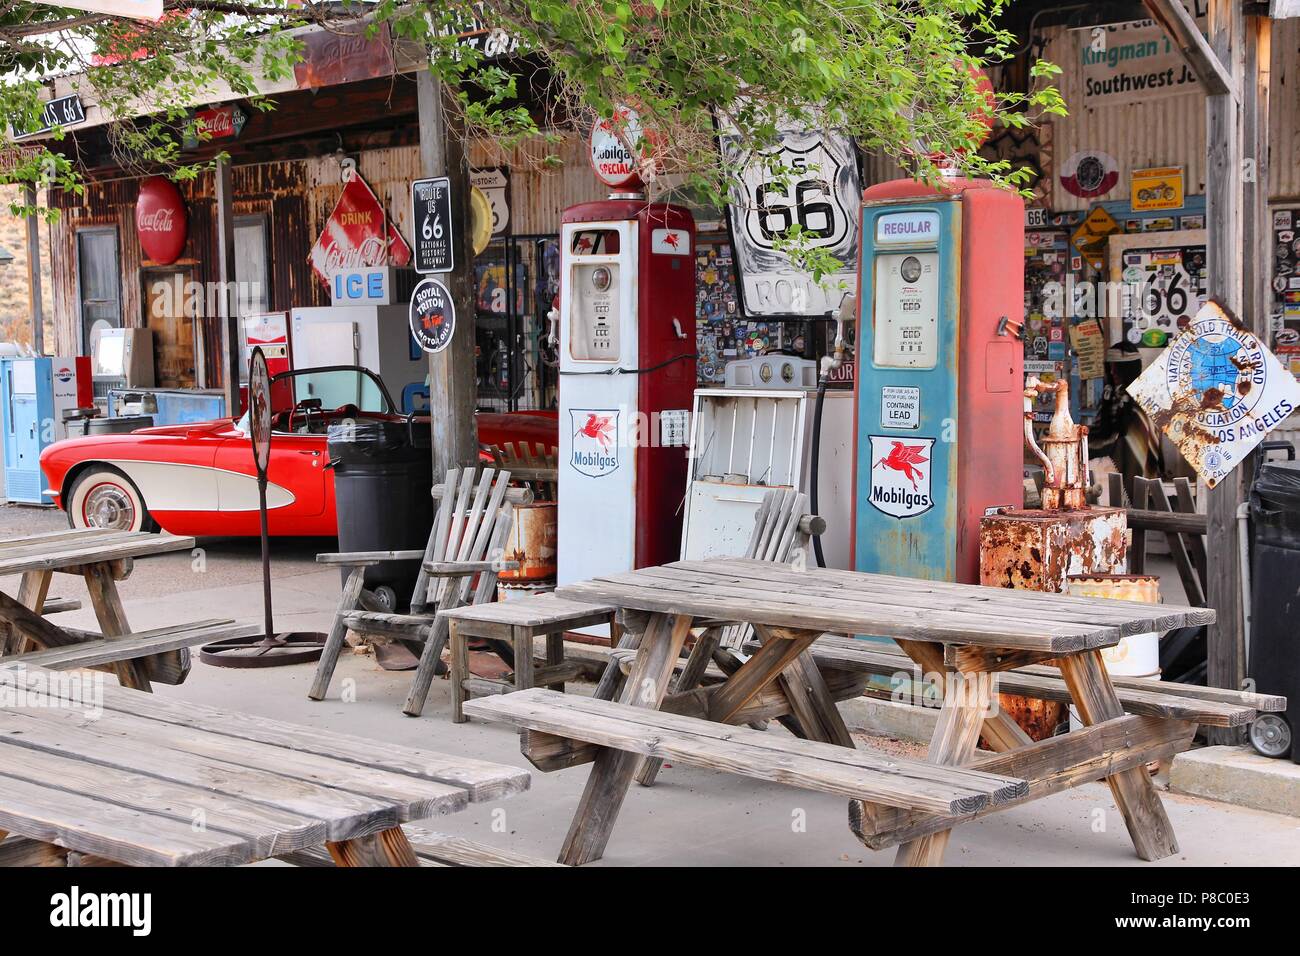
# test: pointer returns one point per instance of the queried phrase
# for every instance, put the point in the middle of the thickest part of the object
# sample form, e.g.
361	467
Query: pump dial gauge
600	278
910	269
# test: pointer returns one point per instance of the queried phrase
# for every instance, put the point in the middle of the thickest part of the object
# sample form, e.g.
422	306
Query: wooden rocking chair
459	566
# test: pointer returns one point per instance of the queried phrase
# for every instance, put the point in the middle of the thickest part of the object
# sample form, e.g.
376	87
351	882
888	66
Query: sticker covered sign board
1216	391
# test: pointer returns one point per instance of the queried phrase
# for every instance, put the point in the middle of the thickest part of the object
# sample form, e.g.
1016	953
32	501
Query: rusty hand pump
1064	449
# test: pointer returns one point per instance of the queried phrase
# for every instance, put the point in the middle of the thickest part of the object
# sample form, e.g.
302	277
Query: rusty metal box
1038	550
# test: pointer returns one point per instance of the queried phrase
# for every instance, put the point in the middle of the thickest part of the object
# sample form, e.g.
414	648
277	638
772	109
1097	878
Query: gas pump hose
618	370
816	461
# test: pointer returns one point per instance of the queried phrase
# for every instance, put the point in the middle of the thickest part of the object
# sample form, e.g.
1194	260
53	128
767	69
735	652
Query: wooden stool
517	622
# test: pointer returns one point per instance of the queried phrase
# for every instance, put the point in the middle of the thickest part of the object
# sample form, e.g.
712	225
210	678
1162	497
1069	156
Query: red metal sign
220	122
160	220
357	235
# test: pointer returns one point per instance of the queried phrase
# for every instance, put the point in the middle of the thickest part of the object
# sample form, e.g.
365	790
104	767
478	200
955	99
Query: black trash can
1275	598
383	476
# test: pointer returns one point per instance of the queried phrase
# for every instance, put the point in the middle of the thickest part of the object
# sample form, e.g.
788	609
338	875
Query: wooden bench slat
267	829
804	614
119	833
846	653
409	626
802	763
457	851
344	813
414	799
541	610
1064	608
60	605
1049	766
481	779
107	650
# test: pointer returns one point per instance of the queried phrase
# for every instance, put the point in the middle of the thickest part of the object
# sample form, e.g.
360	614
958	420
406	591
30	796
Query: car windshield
334	387
349	389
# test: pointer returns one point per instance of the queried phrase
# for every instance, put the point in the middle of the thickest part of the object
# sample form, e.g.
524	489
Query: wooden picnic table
102	557
131	778
964	632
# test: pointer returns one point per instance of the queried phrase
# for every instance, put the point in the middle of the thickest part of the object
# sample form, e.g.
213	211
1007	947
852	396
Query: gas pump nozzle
847	310
1064	450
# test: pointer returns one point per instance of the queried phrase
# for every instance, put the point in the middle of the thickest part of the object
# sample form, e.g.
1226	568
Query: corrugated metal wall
1168	131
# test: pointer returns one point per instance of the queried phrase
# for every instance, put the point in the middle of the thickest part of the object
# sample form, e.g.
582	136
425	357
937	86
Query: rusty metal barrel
532	543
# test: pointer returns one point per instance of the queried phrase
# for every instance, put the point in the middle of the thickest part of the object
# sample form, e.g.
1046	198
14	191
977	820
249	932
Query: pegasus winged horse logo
905	458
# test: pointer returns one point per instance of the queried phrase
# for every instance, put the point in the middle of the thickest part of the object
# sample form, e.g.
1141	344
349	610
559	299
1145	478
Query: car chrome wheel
109	506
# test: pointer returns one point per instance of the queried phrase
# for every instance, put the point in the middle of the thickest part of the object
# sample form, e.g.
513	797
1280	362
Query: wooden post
1225	263
34	273
452	390
226	276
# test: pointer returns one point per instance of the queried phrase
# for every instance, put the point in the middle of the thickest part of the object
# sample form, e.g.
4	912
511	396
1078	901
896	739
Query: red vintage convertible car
199	479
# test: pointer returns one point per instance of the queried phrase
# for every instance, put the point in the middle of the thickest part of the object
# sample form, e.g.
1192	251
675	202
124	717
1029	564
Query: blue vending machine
34	392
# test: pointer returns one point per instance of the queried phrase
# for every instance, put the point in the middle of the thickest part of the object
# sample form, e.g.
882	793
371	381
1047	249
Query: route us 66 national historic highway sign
434	248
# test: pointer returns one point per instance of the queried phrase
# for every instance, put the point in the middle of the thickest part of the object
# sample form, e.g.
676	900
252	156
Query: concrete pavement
691	817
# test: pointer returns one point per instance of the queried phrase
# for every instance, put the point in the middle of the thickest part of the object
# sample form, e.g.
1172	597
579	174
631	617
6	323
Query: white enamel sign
900	475
1216	391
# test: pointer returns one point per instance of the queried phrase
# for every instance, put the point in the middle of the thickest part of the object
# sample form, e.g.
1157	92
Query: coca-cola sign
160	220
216	122
357	235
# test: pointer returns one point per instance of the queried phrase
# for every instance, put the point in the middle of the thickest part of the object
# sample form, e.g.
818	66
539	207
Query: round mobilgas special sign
433	315
614	163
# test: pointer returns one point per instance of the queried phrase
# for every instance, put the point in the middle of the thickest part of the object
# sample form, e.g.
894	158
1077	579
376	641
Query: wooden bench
435	849
98	652
808	764
1208	706
518	623
160	654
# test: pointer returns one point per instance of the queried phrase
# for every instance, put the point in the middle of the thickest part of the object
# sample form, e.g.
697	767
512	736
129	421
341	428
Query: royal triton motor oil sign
900	475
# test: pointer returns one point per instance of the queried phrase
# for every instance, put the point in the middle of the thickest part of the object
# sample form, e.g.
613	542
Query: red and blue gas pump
937	395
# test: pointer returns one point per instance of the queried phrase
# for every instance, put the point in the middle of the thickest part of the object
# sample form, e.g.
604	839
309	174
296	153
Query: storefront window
251	270
99	284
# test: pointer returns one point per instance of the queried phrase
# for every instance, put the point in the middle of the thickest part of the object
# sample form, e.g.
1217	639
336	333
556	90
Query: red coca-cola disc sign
160	220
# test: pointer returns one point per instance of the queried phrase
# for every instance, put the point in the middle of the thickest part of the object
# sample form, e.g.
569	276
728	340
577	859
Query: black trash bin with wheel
383	478
1275	598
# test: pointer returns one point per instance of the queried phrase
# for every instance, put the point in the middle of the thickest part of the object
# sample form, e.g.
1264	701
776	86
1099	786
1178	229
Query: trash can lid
1278	483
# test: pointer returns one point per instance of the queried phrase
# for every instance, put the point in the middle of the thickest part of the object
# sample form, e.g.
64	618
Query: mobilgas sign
907	228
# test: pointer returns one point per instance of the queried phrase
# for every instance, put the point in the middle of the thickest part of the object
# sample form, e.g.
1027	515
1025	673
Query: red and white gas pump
627	373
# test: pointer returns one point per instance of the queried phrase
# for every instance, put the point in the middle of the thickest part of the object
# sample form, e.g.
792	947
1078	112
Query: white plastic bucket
511	591
1137	655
